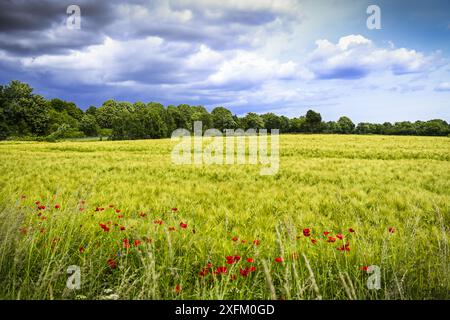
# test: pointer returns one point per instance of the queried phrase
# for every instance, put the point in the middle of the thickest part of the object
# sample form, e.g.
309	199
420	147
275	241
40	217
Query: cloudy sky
282	56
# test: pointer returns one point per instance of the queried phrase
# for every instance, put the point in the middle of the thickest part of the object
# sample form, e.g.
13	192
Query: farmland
140	227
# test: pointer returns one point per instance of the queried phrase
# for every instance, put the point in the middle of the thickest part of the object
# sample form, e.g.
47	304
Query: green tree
345	125
223	119
89	125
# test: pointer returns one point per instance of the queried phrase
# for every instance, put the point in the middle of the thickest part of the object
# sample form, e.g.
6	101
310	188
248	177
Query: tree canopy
24	114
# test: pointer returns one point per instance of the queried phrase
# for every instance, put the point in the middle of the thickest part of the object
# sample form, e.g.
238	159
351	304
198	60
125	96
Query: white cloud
443	86
355	56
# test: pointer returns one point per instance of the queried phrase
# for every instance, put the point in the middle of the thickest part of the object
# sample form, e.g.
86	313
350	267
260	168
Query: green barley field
140	227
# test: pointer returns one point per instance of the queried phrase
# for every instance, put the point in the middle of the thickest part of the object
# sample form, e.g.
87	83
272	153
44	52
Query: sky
281	56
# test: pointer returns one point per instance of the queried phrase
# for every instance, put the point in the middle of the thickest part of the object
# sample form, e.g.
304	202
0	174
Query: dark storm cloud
30	28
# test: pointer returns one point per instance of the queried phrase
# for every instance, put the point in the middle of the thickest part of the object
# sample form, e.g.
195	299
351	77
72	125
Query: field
140	227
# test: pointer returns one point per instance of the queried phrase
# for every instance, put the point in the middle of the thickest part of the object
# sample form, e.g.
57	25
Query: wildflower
250	260
178	289
81	209
233	277
326	233
142	214
122	228
203	272
112	263
243	241
391	229
159	221
252	268
41	207
126	244
340	236
137	243
306	232
345	247
209	265
331	239
365	268
244	272
234	238
171	228
37	203
111	206
97	209
183	225
174	209
313	241
81	249
104	227
57	206
221	270
351	230
120	216
278	259
229	259
236	258
256	242
23	197
118	211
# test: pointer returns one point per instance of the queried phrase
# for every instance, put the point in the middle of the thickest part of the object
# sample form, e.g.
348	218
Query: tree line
26	115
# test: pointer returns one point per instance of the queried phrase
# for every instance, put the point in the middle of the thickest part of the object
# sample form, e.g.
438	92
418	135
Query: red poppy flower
203	272
229	259
81	249
178	289
82	201
250	260
365	268
209	265
256	242
183	225
313	241
345	247
99	209
57	206
122	228
37	203
340	236
244	272
41	207
174	209
278	259
117	211
234	238
391	229
252	268
137	242
331	239
112	263
221	270
120	216
160	222
104	227
236	258
142	214
306	232
171	228
326	233
351	230
126	244
111	206
243	241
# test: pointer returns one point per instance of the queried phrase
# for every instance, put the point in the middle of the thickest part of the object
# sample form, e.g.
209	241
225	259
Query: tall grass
325	183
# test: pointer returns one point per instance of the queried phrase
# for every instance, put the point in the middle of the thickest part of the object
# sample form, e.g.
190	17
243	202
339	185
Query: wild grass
325	183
